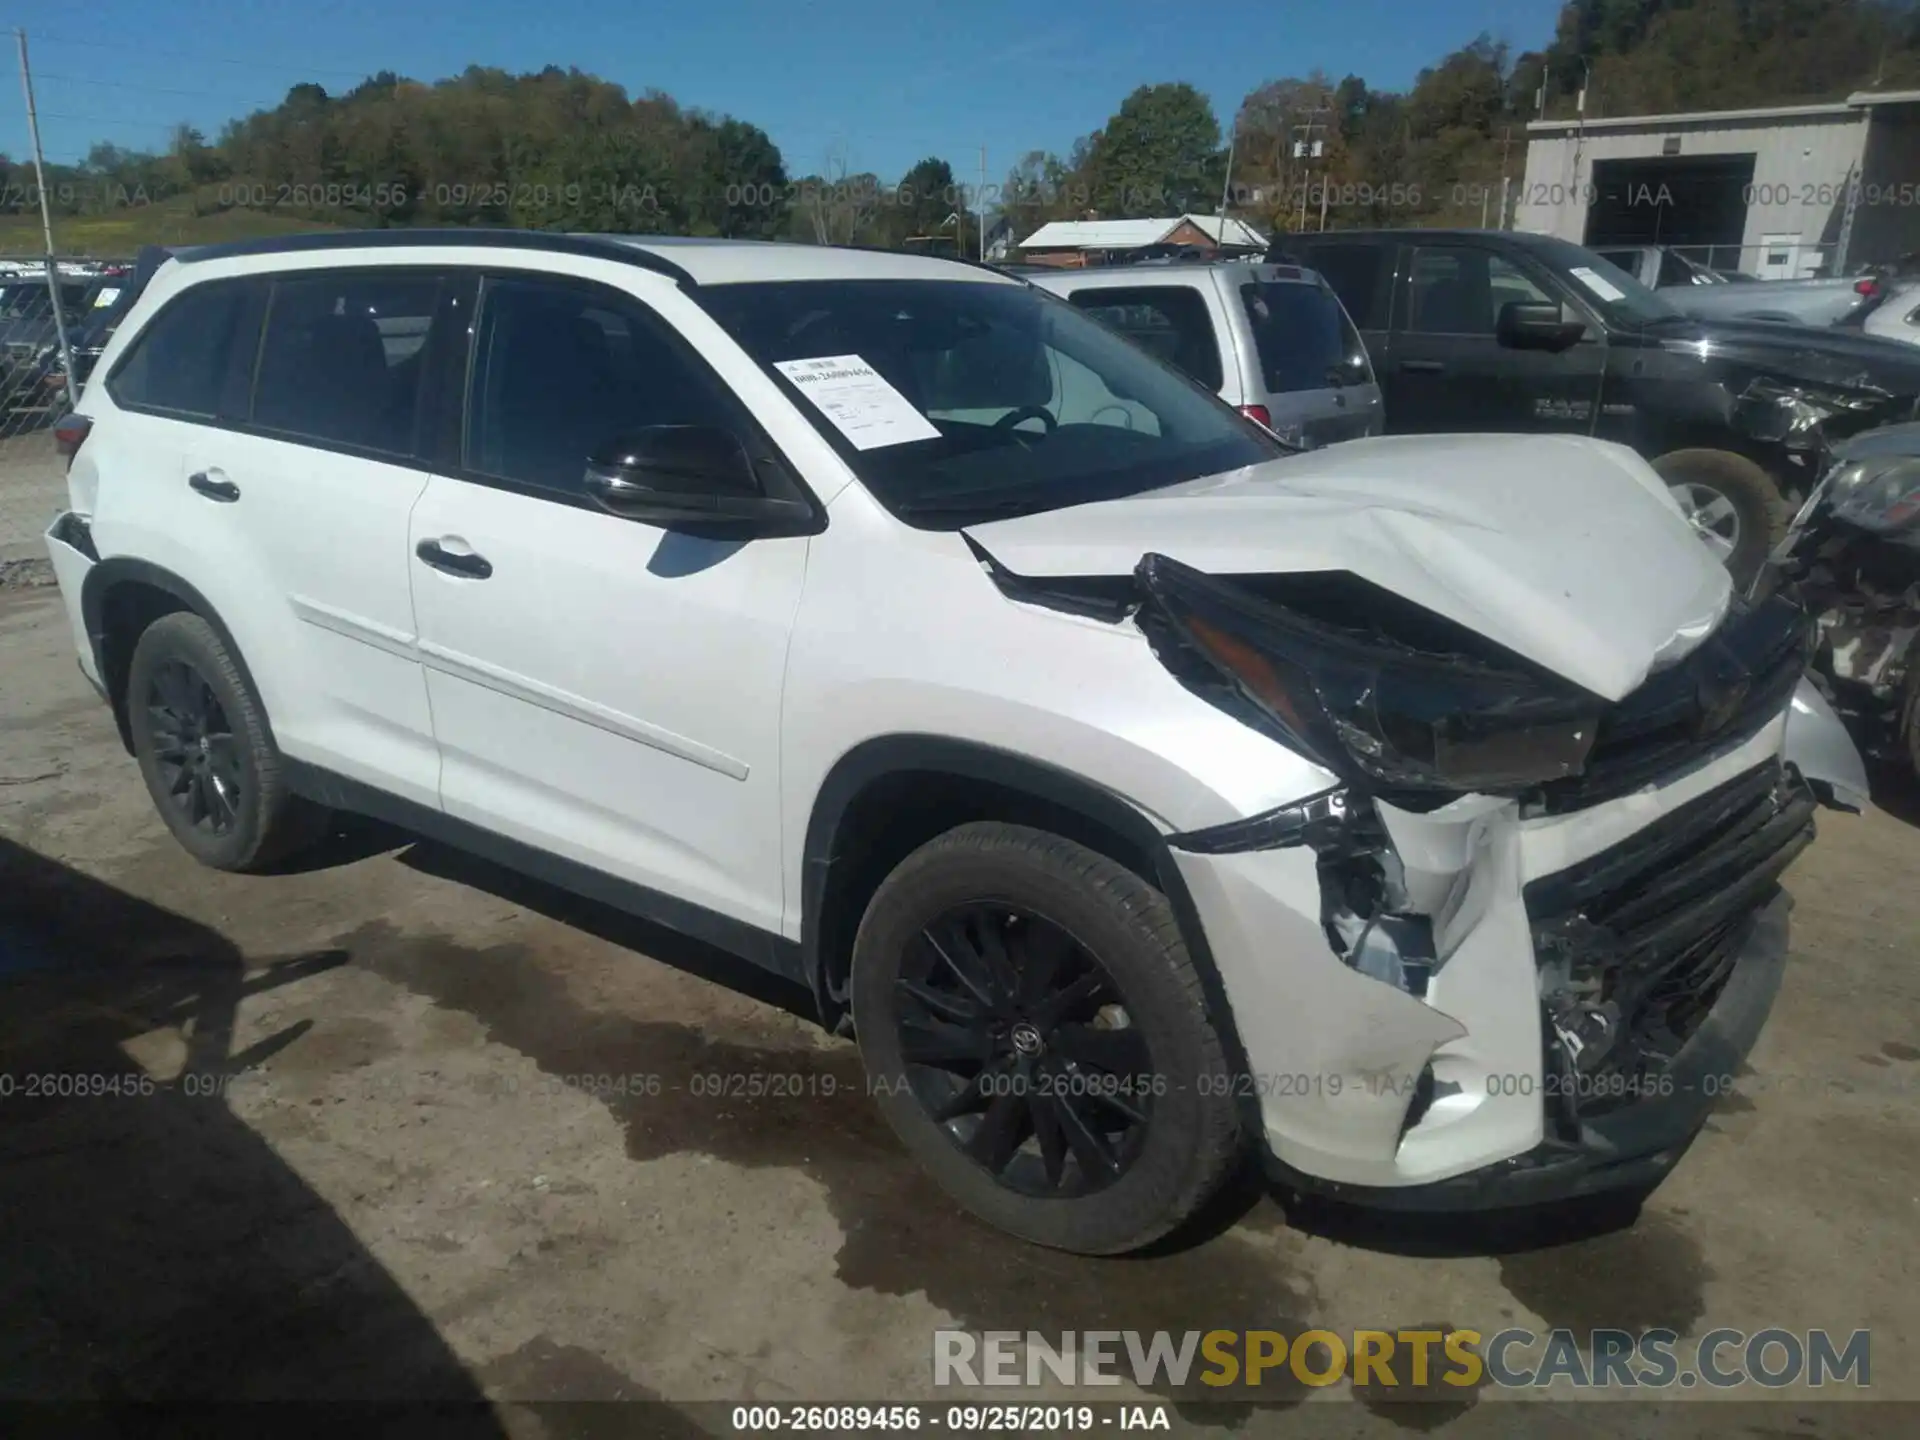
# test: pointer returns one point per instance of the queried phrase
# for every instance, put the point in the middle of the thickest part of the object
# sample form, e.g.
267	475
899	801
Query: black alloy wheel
194	748
207	753
1037	1036
1017	1044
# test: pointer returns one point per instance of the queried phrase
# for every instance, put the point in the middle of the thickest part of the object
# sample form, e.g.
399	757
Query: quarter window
560	370
197	356
342	358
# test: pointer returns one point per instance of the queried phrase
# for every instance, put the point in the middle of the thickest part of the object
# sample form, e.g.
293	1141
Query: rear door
285	497
1311	365
1361	273
1448	370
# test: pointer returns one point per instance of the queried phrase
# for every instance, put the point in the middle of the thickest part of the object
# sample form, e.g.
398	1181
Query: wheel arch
858	831
120	597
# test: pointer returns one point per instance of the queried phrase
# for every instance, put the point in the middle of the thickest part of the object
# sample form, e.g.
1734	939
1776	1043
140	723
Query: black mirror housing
1537	325
689	477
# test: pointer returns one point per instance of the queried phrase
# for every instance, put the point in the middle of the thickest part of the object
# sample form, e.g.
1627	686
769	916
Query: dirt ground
392	1190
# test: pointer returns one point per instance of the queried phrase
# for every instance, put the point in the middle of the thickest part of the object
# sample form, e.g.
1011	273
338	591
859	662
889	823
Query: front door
1447	369
602	689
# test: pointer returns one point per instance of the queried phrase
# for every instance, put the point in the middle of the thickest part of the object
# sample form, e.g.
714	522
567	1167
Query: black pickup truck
1478	330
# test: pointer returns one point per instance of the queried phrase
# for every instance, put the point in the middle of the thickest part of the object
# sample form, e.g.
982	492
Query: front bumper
1629	1148
1456	1095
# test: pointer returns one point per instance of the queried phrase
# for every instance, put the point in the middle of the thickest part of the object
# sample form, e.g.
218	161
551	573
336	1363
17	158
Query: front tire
1036	1034
1733	505
209	761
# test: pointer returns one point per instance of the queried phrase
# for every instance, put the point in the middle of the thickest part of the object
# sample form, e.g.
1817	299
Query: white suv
1134	790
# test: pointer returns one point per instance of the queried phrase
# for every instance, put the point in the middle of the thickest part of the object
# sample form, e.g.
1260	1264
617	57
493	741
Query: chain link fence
37	302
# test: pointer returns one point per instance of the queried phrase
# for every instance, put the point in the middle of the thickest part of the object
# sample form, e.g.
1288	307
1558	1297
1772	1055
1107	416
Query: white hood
1566	550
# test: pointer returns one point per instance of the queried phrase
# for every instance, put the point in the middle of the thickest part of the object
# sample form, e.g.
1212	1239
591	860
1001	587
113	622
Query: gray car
1271	340
1699	291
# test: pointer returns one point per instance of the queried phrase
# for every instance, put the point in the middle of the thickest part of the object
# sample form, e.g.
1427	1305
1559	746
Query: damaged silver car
1852	559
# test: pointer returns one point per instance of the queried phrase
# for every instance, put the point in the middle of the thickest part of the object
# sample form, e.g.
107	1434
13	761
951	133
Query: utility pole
1226	186
982	221
46	222
1306	147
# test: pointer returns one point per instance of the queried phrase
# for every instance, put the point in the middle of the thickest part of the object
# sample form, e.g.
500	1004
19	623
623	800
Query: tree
1159	154
733	180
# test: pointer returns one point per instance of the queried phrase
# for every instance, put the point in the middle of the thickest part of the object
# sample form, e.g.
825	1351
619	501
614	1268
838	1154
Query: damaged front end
1548	957
1852	560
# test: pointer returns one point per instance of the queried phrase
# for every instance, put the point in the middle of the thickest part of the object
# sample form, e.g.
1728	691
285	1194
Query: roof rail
950	259
626	249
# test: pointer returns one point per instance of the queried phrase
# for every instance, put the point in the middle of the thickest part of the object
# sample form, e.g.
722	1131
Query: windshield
1620	299
1304	338
956	400
23	299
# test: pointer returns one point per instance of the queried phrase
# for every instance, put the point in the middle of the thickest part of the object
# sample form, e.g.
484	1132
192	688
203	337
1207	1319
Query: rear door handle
454	562
1423	367
214	485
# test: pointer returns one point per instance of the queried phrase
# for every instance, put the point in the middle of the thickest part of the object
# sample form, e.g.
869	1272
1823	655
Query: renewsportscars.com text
1512	1358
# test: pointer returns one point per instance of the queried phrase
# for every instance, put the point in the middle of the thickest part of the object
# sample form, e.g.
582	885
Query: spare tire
1732	504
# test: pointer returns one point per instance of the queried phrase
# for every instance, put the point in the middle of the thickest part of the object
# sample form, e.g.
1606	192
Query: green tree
1159	155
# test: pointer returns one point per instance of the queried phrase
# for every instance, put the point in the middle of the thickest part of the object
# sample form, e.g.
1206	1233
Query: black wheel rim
193	749
1018	1045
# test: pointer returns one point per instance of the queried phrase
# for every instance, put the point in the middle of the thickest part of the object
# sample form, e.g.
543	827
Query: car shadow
618	927
153	1247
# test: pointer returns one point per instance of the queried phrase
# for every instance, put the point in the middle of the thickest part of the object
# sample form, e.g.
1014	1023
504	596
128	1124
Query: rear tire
1732	503
1060	996
205	751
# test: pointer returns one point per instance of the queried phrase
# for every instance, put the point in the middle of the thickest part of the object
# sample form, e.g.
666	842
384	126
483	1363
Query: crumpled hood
1819	355
1567	551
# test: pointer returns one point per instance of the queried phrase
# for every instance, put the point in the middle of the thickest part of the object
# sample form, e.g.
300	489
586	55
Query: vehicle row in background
1502	331
32	374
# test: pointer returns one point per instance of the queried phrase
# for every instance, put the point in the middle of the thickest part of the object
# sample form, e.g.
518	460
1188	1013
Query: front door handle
454	562
214	486
1423	367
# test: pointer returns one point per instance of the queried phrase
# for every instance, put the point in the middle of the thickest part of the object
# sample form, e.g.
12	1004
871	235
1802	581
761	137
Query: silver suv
1272	340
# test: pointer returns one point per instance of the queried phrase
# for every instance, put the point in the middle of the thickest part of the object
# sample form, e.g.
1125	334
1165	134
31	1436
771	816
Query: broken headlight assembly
1394	717
1880	493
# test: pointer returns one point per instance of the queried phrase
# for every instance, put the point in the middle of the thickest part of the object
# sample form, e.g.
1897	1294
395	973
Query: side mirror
680	476
1536	325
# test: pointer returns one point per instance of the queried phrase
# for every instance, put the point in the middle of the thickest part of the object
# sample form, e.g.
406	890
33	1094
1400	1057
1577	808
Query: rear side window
196	356
342	357
1354	273
1304	338
1169	320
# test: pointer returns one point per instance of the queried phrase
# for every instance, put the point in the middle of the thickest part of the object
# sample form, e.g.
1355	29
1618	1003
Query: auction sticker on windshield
1598	284
860	402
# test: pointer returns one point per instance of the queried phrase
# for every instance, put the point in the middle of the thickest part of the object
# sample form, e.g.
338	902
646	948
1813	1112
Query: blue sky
875	84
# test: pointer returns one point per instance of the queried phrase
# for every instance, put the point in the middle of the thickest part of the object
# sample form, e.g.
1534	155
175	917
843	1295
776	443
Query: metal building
1783	192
